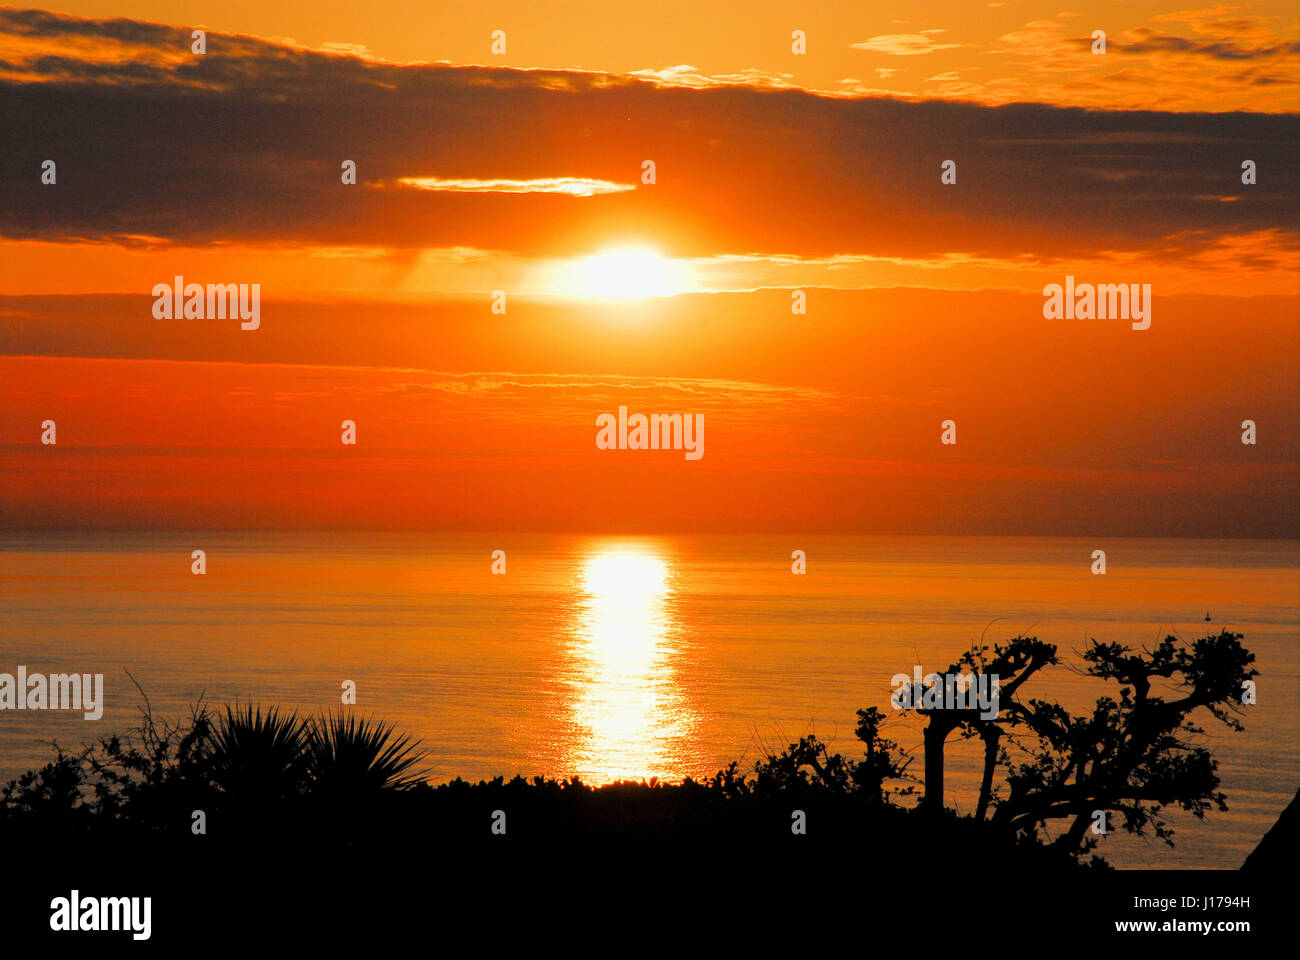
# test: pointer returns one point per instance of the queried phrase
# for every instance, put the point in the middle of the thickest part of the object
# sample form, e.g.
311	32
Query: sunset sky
522	172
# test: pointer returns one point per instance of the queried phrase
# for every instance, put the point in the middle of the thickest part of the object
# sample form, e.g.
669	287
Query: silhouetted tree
1013	663
1131	755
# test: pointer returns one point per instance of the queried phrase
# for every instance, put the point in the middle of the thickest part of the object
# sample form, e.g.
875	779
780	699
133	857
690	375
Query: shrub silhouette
808	766
256	761
349	758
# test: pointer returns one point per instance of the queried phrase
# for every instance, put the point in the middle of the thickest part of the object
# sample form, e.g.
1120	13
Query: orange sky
773	171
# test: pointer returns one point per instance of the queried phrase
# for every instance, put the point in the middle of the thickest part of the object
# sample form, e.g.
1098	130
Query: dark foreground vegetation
239	793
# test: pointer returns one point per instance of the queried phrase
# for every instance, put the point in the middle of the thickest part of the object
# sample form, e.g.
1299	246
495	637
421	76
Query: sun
625	576
622	273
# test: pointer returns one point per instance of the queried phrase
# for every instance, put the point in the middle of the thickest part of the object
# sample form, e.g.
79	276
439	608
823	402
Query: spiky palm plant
351	757
256	756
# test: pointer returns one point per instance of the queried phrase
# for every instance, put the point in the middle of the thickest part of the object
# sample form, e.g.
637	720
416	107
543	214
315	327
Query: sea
637	657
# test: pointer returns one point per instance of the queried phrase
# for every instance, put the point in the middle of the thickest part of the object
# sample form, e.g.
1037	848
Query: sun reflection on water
626	706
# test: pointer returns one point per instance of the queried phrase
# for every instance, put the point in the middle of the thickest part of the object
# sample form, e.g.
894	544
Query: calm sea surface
634	657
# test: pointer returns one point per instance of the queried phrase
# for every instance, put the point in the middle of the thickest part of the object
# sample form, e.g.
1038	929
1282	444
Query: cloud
904	44
685	75
1143	40
244	146
569	186
1210	63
